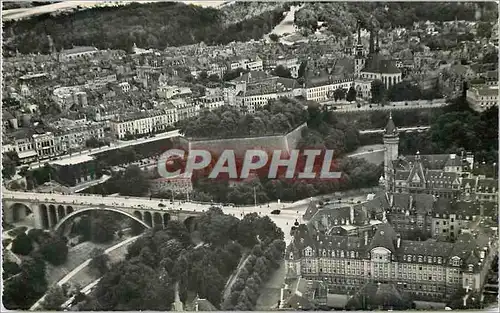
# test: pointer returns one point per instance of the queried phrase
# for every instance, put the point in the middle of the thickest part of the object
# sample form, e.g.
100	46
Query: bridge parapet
51	214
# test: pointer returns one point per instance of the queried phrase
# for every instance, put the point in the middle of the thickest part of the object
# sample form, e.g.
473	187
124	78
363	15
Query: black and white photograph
249	156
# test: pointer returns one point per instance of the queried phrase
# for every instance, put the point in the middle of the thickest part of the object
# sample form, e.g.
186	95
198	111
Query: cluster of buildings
432	232
131	95
39	142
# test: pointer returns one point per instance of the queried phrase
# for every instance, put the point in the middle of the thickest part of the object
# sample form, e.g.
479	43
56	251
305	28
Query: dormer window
352	254
324	252
291	255
342	253
471	267
420	259
456	262
439	260
429	260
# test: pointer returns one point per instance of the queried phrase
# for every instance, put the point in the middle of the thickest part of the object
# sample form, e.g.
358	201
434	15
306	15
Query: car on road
276	212
161	205
370	150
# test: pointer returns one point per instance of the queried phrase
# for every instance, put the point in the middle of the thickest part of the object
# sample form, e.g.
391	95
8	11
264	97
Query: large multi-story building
173	92
77	53
483	97
210	102
258	94
185	108
247	64
73	137
439	175
323	91
480	188
143	122
425	269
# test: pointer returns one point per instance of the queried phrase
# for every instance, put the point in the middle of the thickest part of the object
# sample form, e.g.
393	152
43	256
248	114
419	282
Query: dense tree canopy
278	117
21	292
22	244
341	17
160	259
455	131
154	25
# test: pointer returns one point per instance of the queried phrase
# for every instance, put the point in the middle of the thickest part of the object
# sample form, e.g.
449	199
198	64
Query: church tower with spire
391	146
359	59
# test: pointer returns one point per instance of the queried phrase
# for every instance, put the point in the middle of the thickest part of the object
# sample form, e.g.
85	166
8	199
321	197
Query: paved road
78	157
284	220
232	279
420	104
402	129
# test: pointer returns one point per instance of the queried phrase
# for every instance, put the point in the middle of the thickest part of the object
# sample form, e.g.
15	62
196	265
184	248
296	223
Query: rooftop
77	159
79	50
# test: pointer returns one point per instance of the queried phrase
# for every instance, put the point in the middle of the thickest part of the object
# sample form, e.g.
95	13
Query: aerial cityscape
249	156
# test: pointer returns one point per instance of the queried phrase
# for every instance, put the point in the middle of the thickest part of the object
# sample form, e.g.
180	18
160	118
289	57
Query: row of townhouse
144	122
41	144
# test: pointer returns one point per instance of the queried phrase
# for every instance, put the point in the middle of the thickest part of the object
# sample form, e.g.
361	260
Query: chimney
351	215
366	238
398	241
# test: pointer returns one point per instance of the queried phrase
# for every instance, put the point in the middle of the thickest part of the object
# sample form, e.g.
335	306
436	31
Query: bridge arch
44	212
19	211
52	214
62	221
138	214
190	223
148	219
157	219
166	219
61	212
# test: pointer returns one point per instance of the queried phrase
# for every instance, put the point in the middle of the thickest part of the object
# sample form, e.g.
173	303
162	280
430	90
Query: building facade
482	98
142	123
428	270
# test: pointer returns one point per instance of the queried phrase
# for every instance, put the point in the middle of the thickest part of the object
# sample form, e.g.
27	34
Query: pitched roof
390	128
374	295
424	248
418	170
384	237
376	64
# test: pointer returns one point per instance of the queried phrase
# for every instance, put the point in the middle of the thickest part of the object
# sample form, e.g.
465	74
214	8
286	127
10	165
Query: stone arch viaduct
50	214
